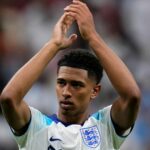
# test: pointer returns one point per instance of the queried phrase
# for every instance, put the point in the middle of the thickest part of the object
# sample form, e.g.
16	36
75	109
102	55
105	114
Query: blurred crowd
26	25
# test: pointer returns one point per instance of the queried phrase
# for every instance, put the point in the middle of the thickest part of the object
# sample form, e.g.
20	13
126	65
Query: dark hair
83	59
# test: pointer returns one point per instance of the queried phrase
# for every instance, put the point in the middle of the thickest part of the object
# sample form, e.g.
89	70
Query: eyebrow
72	81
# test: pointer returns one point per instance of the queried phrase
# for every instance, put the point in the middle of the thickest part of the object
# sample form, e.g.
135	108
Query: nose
66	92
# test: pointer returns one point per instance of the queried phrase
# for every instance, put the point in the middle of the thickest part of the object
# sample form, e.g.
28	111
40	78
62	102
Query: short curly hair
83	59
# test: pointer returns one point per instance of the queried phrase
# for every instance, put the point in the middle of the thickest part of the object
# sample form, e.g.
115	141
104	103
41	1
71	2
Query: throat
73	119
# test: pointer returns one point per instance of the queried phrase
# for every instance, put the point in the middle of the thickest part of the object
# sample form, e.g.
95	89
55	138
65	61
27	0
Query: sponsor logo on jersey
53	145
52	139
91	136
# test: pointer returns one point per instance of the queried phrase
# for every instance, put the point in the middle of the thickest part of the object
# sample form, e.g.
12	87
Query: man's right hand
61	28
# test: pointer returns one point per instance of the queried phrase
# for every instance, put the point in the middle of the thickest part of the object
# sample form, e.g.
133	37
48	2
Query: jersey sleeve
105	123
38	122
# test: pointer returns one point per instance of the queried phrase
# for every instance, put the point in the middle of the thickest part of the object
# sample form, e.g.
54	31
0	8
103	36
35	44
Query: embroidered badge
91	136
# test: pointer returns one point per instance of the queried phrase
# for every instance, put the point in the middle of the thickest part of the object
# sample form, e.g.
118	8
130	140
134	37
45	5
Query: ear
95	91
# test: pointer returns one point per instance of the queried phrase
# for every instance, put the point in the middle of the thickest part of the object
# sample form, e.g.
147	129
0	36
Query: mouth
66	105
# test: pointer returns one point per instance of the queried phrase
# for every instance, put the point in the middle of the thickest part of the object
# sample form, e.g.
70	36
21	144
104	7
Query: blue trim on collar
57	120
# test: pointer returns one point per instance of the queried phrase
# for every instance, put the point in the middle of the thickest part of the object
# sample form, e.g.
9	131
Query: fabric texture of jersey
45	133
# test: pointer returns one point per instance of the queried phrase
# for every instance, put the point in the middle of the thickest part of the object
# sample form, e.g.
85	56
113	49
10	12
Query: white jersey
48	133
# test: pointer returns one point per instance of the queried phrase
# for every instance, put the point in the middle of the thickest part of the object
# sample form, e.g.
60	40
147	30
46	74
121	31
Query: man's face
74	90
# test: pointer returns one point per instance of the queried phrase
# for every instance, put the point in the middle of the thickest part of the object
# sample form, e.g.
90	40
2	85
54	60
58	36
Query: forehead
71	73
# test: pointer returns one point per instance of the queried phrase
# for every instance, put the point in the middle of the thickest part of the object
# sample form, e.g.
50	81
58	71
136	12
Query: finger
69	20
79	2
67	23
75	8
72	9
71	6
72	15
62	18
72	39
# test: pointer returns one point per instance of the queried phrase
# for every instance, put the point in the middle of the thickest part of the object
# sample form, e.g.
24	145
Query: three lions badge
91	136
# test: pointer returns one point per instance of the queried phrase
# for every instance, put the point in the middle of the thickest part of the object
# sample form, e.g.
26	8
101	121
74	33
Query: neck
73	118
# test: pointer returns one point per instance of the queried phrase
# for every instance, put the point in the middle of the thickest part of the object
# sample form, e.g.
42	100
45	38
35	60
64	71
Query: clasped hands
77	11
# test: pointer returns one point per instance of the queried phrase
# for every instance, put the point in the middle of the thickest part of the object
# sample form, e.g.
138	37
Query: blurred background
26	25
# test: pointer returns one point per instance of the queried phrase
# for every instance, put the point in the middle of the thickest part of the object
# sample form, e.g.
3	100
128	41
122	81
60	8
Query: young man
77	85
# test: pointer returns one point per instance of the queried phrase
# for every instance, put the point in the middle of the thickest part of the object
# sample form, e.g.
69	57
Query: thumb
72	39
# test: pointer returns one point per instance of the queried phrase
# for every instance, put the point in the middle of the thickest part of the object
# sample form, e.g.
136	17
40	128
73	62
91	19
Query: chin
68	112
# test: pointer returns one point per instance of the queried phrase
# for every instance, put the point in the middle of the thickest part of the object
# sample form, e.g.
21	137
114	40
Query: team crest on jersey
91	136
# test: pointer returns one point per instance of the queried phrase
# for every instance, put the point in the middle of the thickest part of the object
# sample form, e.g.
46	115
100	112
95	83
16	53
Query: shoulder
39	118
103	114
38	122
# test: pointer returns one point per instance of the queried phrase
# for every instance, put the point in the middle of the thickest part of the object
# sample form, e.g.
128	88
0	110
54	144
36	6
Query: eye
61	82
77	85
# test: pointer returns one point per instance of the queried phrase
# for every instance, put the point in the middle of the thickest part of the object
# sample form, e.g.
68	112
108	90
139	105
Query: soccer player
78	83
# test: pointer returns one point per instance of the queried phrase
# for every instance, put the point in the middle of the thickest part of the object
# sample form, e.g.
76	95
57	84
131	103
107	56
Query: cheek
84	98
58	92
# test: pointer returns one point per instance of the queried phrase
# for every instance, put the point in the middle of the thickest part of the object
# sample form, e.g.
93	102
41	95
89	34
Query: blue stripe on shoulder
97	116
48	120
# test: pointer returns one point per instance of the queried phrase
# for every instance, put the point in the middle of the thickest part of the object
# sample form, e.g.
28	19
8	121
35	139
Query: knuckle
84	4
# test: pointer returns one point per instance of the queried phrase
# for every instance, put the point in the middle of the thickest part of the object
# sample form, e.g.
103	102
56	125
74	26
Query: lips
66	104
